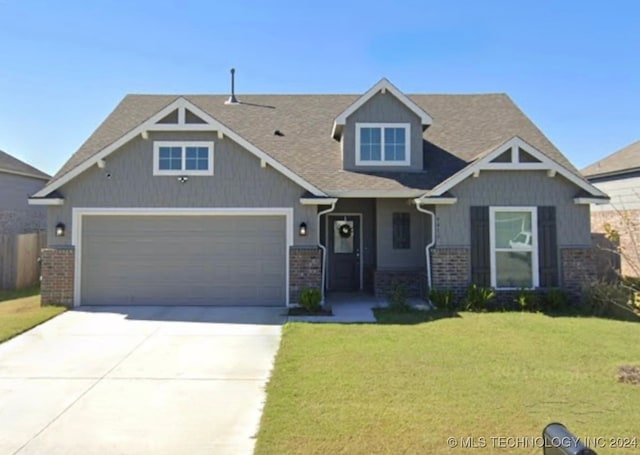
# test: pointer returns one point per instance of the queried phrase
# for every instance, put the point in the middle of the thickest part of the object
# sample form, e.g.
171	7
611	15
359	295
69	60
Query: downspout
427	249
323	248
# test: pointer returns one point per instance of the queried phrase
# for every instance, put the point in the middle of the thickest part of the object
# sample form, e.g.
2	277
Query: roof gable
621	162
514	155
382	86
180	115
12	165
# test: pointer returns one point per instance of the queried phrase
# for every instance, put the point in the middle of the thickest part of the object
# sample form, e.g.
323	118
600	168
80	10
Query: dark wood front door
344	252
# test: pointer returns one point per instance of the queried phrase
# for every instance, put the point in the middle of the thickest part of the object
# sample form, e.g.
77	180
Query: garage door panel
192	260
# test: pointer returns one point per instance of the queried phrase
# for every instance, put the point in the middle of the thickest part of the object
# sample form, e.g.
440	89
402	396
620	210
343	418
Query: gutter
427	249
324	248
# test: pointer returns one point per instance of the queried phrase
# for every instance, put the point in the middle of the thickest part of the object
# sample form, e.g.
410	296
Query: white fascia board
381	194
485	163
213	125
25	174
591	200
318	201
382	85
437	200
46	201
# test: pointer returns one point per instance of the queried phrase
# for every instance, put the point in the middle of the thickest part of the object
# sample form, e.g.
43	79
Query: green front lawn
21	310
367	388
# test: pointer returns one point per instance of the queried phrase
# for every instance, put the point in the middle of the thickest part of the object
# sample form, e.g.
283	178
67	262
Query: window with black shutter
401	231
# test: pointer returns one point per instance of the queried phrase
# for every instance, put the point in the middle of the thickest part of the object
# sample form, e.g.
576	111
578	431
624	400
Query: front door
344	252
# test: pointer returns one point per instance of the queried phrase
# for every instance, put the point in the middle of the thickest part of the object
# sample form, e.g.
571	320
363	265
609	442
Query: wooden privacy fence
19	266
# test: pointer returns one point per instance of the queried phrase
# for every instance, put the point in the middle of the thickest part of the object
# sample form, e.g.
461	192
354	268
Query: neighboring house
18	181
618	175
193	199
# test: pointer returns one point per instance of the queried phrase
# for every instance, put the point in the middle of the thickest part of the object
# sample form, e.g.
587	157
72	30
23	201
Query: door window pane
343	236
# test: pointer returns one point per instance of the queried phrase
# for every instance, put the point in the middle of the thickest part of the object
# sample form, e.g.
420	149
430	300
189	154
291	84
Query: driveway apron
138	380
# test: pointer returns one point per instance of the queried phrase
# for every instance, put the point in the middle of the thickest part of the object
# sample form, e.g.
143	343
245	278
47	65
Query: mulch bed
299	311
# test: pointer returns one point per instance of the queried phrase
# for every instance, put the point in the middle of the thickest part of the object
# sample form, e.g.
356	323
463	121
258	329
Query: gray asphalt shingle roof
623	160
464	126
12	164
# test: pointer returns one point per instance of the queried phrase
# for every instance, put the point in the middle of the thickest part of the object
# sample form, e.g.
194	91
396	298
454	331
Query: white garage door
183	260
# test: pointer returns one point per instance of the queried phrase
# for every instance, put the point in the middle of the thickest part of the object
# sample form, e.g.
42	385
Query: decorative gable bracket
517	155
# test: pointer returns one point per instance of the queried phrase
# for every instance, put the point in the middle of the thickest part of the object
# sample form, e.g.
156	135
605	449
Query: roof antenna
232	99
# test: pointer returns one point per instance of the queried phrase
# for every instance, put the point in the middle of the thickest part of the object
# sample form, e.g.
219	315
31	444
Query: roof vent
278	133
232	99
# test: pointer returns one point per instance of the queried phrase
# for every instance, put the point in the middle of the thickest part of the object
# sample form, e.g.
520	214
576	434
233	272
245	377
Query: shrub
443	299
398	296
310	299
604	299
527	300
478	298
555	299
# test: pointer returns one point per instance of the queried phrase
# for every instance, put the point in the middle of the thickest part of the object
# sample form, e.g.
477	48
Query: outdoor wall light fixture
60	230
183	179
303	229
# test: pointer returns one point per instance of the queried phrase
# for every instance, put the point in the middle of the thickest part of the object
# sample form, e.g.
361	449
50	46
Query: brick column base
414	282
57	265
305	270
579	269
450	269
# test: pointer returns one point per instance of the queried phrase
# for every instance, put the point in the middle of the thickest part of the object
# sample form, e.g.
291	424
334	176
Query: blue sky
572	66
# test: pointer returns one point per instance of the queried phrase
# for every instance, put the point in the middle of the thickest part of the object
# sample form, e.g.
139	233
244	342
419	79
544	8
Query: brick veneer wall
57	265
578	269
450	269
413	281
627	223
305	270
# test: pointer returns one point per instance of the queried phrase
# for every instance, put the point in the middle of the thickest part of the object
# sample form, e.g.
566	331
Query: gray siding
382	108
624	194
516	188
187	260
16	215
238	181
390	258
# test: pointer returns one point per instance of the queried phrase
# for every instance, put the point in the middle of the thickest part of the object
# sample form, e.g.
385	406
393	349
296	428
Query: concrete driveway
127	380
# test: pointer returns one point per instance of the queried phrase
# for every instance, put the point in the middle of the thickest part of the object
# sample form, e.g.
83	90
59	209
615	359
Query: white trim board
383	86
326	241
514	143
183	147
149	125
382	161
79	212
46	201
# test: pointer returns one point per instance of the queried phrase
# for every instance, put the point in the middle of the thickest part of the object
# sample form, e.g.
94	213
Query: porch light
303	229
60	230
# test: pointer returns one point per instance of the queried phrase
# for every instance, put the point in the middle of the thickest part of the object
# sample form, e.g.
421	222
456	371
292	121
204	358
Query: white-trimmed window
182	158
386	144
514	247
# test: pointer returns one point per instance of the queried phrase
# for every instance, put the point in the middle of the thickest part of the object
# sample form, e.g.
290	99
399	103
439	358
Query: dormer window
383	144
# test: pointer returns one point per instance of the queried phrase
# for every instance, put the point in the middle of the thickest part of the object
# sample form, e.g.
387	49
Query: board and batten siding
382	108
238	181
515	188
394	259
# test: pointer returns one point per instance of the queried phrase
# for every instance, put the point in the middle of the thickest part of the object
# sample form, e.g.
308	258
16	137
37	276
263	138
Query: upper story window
182	158
386	144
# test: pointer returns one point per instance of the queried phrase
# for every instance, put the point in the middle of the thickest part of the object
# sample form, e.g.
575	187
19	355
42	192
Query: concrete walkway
126	380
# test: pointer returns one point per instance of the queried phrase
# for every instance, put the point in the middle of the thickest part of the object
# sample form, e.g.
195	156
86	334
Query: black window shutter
480	249
547	247
401	231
